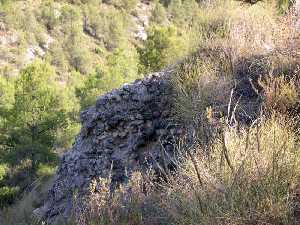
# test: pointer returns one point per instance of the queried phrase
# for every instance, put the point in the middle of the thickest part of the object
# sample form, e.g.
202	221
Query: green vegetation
39	112
122	68
57	57
163	47
40	109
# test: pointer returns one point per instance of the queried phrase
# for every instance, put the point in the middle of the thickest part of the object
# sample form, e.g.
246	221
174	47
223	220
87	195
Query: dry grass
280	94
257	47
202	80
247	178
234	174
134	203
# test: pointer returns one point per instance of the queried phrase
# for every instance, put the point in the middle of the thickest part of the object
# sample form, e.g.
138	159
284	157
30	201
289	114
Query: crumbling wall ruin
125	131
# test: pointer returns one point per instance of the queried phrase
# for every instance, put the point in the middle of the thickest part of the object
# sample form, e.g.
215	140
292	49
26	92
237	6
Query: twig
225	152
196	168
234	110
229	105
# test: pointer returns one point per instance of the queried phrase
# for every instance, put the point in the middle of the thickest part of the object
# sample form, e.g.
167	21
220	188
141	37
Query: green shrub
127	5
284	5
182	12
122	67
3	170
176	10
70	18
80	58
159	14
91	89
44	170
56	56
6	95
75	51
163	46
6	104
49	15
7	195
110	27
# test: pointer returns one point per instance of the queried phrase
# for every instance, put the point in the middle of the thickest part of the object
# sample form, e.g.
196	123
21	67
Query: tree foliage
122	68
162	47
159	14
49	15
127	5
108	25
6	104
39	111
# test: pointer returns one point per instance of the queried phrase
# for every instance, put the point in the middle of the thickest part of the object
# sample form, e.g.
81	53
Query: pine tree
40	109
6	103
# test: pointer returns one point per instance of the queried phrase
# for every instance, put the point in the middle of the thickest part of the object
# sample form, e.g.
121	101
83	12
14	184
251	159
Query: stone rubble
125	131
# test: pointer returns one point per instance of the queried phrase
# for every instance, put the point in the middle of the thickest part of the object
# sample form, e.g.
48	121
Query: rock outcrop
129	129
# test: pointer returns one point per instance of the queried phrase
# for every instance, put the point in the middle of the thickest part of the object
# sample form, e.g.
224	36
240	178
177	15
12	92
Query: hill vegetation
236	76
57	57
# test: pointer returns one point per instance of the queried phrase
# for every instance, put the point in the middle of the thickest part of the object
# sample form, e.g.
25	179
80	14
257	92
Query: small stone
123	134
117	98
139	117
156	114
165	113
136	122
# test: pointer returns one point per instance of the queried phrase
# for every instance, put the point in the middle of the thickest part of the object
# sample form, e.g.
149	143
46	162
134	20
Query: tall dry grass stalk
248	177
245	176
133	203
248	56
257	44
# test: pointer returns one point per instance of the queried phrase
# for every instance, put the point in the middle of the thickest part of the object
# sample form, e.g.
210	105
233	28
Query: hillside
149	112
